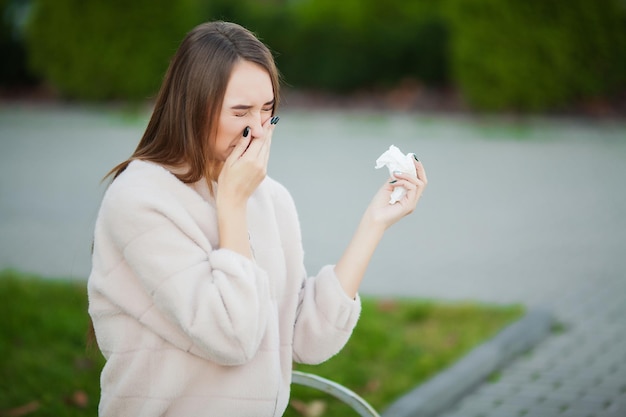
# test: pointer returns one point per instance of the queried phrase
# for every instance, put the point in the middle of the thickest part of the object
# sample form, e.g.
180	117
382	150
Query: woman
198	293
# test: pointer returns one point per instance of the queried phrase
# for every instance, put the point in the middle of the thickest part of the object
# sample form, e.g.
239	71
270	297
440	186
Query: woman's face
248	102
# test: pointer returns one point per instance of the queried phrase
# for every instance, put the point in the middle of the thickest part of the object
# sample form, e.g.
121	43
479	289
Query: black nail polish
415	156
246	132
393	182
274	120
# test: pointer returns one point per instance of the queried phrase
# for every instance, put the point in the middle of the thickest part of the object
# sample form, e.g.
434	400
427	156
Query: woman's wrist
233	228
371	221
371	230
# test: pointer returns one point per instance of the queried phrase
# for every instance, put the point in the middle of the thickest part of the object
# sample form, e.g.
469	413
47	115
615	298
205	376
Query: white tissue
395	161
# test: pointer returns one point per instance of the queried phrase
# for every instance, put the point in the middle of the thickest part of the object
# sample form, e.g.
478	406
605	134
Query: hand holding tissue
396	161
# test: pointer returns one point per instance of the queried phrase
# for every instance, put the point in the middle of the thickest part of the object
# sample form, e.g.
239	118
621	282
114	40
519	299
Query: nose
256	127
256	130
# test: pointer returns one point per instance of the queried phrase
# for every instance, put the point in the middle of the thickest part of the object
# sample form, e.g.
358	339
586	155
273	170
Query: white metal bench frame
336	390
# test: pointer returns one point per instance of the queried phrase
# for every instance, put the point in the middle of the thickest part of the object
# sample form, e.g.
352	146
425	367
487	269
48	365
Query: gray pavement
530	212
580	371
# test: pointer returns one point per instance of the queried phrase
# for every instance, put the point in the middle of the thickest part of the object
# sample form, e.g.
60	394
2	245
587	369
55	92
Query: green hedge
14	69
349	44
100	50
96	49
501	54
536	54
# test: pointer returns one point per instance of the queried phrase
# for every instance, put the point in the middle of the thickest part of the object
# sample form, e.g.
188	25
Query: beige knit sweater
192	330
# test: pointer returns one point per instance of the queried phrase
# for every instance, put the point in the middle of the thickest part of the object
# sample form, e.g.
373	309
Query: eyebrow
247	106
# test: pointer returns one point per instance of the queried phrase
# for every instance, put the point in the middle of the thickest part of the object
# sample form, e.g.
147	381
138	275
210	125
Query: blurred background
504	101
488	55
516	108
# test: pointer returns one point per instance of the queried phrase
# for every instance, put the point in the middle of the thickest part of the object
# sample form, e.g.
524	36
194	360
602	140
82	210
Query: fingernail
415	156
393	182
246	132
274	120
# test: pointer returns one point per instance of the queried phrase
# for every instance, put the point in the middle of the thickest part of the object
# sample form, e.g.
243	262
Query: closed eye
241	110
244	114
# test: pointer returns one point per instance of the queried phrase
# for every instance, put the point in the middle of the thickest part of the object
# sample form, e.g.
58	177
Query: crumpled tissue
395	161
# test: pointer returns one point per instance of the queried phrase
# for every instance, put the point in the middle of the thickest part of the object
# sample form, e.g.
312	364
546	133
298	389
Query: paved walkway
532	212
580	371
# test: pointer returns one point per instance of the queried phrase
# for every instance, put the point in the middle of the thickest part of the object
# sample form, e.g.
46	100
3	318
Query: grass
397	345
45	369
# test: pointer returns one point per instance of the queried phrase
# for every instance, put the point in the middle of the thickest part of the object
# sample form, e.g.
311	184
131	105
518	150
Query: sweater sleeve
210	302
325	318
325	315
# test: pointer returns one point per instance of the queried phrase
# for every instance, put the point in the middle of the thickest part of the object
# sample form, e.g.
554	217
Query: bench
336	390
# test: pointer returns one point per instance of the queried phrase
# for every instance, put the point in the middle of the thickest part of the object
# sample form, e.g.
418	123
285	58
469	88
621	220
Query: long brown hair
183	126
